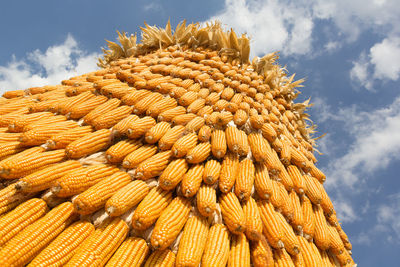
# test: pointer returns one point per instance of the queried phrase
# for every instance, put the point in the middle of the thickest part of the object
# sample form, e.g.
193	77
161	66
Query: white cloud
382	63
39	68
388	217
345	211
275	25
376	143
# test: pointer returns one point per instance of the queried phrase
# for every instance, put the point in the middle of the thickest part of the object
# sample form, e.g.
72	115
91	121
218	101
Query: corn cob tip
21	185
55	189
110	210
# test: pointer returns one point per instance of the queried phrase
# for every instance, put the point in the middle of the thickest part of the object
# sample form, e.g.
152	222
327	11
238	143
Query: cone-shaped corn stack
179	150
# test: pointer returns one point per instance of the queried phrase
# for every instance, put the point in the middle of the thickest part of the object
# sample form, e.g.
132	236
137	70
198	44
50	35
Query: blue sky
348	51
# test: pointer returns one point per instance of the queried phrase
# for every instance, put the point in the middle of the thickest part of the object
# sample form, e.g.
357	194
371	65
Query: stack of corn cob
179	151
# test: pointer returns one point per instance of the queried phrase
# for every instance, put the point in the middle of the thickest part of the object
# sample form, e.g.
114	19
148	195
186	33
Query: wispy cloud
39	68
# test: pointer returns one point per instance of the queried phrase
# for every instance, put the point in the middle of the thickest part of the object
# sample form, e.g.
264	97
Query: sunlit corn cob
282	258
216	251
240	251
170	137
254	225
132	252
64	138
109	119
321	230
169	114
82	109
161	258
9	148
229	168
232	213
126	198
96	196
140	154
191	181
116	153
44	178
10	198
170	223
81	179
157	132
19	123
245	179
261	254
173	174
121	128
61	250
150	208
29	242
22	216
139	127
88	144
100	245
271	227
15	167
192	242
101	109
153	166
44	122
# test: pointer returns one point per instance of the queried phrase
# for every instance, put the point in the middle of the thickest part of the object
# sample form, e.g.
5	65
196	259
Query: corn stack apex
176	140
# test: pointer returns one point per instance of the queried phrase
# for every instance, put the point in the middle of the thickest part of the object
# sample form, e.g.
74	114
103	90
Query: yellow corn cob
262	182
6	119
139	155
194	125
199	153
10	198
10	148
61	250
173	174
116	153
191	181
170	137
22	216
336	243
268	132
271	227
206	110
206	199
170	223
313	189
169	114
161	258
261	254
153	166
74	101
240	117
131	98
344	237
132	252
9	137
280	199
101	83
245	179
282	258
150	208
14	94
193	241
256	121
177	92
157	132
310	256
81	179
64	138
143	105
325	259
326	203
240	251
216	251
196	105
82	109
258	148
139	127
44	122
121	128
126	198
100	245
29	242
116	90
102	109
183	119
15	105
344	258
40	135
96	196
157	108
253	220
297	219
187	98
205	133
285	154
20	166
43	179
89	144
288	238
321	231
229	168
232	213
308	216
218	143
19	123
297	178
109	119
317	173
212	171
